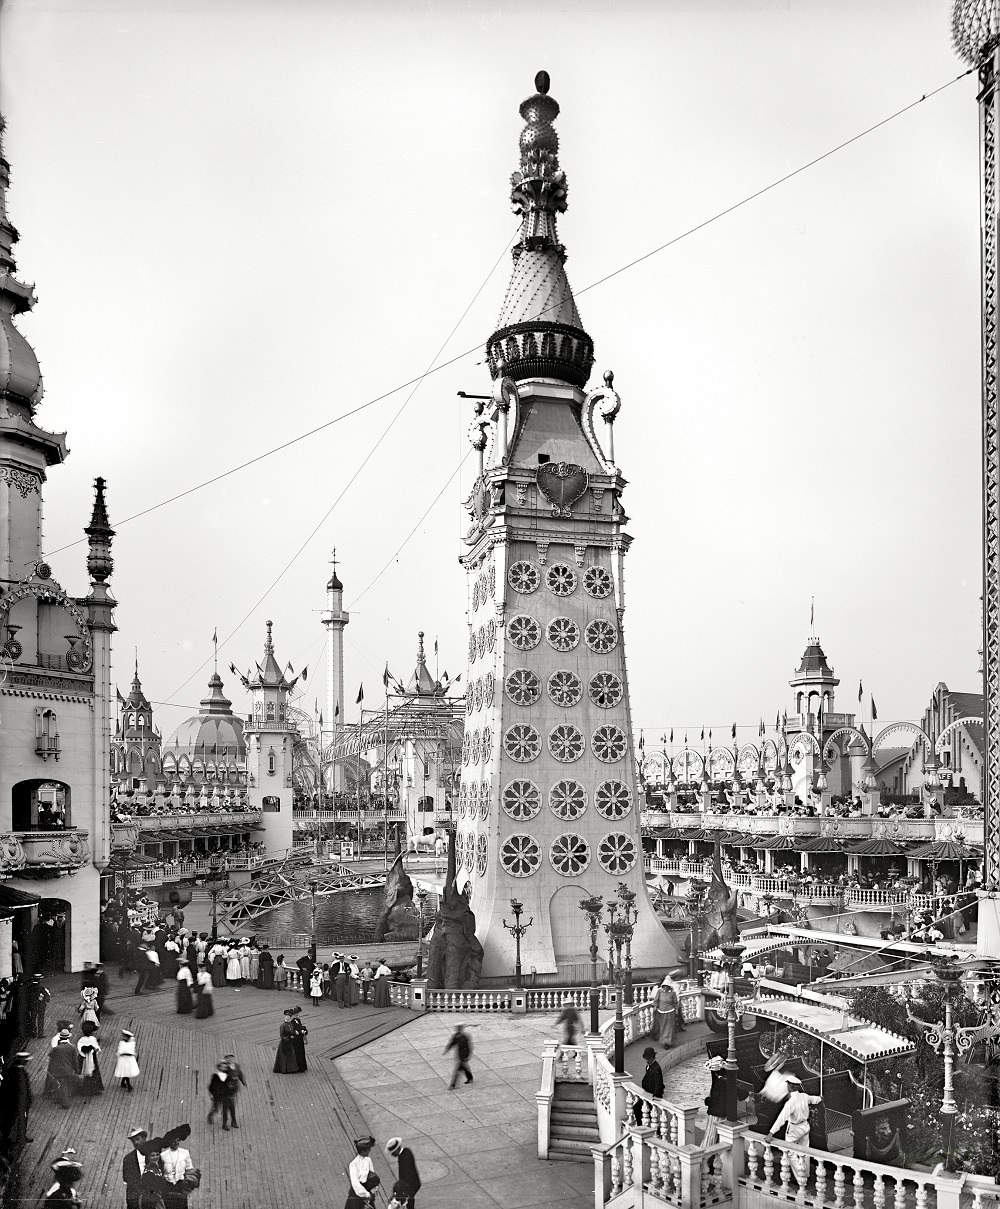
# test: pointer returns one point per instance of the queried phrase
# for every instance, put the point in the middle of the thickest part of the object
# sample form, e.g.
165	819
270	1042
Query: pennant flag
457	678
812	613
777	721
671	734
861	692
386	677
734	730
703	734
290	668
642	741
215	636
321	720
445	676
435	647
710	738
874	711
685	739
315	704
305	674
232	668
336	712
121	699
361	694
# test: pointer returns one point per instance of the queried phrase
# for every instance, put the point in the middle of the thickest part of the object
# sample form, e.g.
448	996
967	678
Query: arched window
46	733
269	711
271	769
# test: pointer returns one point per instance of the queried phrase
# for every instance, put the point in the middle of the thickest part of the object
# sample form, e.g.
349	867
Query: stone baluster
616	1171
878	1189
858	1184
578	1065
821	1184
627	1161
921	1197
786	1172
753	1159
838	1185
768	1167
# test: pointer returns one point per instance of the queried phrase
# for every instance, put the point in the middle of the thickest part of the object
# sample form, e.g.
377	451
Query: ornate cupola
539	333
814	682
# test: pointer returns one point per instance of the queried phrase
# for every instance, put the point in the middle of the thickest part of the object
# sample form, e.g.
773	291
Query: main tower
548	808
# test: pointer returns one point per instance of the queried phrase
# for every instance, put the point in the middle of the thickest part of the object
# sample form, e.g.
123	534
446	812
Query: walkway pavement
474	1146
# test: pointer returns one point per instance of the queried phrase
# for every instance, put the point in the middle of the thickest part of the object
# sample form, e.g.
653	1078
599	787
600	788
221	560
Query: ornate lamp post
517	930
619	931
627	899
421	899
732	955
216	883
313	887
694	904
592	908
941	1038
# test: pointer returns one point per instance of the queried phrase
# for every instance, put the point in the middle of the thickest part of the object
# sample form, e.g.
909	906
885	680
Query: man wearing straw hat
133	1165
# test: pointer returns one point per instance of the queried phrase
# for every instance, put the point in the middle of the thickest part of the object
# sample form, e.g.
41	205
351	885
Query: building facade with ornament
55	674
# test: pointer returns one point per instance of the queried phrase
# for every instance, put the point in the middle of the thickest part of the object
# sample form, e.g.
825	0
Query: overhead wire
416	381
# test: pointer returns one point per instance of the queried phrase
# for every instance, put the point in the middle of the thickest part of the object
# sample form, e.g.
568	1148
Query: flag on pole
435	647
305	674
321	720
734	730
861	692
874	711
361	694
215	636
121	699
671	735
777	721
812	613
642	741
703	734
336	711
385	677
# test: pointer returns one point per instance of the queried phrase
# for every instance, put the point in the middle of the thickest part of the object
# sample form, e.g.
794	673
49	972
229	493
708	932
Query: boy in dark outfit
462	1046
407	1186
38	1000
652	1081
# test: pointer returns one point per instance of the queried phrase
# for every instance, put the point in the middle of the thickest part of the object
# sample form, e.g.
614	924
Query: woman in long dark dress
266	980
299	1034
185	979
91	1083
219	966
206	1001
285	1062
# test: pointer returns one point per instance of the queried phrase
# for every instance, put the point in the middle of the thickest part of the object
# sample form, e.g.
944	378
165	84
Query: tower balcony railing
54	850
12	854
189	822
48	745
875	900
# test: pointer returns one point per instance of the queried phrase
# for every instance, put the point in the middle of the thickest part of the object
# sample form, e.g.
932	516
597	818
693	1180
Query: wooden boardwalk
296	1131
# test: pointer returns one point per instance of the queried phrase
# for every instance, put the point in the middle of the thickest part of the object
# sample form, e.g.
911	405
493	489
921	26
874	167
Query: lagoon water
337	915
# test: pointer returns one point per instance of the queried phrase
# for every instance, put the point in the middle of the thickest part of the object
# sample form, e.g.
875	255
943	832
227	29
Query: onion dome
20	377
539	332
214	730
334	584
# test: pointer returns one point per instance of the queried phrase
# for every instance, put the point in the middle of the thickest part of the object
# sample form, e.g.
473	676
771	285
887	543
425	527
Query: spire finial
542	83
268	644
333	560
99	534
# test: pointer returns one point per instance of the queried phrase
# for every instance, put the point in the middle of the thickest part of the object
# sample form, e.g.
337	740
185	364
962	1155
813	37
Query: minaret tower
270	743
334	619
548	807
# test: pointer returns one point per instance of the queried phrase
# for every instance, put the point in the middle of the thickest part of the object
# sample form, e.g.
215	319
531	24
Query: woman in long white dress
234	970
127	1066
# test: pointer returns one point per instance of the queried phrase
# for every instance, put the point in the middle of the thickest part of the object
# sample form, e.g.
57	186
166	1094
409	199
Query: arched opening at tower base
48	940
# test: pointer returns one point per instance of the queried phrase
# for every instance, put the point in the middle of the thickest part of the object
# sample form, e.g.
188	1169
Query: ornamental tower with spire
548	807
270	740
55	662
334	620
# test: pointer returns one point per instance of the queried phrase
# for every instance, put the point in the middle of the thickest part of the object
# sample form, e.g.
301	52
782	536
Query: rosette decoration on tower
539	333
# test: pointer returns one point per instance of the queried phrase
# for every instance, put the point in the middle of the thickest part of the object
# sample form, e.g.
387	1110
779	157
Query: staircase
573	1124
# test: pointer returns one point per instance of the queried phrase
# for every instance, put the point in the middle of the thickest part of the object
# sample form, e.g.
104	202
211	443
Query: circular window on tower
484	799
569	855
613	800
522	743
523	686
470	701
524	578
525	632
520	855
482	851
616	853
488	683
563	633
601	636
473	798
521	799
567	800
597	582
609	744
463	798
566	743
606	689
561	579
565	688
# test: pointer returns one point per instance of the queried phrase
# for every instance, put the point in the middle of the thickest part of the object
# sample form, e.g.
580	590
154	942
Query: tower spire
20	377
539	333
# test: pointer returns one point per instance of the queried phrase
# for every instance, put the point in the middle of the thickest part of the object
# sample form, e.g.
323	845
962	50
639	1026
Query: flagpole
385	774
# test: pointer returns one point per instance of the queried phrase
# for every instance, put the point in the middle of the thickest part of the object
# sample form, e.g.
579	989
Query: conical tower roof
137	698
422	683
20	376
539	332
813	666
269	675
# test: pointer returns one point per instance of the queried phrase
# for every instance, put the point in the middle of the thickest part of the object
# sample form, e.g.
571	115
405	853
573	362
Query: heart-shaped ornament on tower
562	484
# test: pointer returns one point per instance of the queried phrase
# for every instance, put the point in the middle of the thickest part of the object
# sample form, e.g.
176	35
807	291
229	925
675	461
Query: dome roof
814	665
334	583
214	732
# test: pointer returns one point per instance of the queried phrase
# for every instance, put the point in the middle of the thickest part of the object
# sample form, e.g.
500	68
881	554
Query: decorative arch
694	763
910	728
943	736
844	730
809	740
50	593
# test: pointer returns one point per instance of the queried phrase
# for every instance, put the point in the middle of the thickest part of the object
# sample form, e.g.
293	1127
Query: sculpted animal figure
456	956
721	913
398	916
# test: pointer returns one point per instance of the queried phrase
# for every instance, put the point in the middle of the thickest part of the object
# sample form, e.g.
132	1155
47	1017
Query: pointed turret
20	377
539	333
99	534
422	683
269	675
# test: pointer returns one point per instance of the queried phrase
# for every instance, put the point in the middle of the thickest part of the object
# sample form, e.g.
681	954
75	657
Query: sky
248	221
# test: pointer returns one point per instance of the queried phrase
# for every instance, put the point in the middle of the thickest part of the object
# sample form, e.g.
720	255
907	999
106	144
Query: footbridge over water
295	878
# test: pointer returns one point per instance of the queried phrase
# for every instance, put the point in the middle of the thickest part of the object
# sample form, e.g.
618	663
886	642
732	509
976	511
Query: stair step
560	1117
571	1147
570	1156
573	1091
574	1133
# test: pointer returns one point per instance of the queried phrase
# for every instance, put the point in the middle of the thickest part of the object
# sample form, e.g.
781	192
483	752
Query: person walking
68	1173
61	1078
285	1062
316	986
206	998
665	1005
367	978
91	1083
652	1082
408	1184
222	1087
87	1010
38	1000
299	1034
715	1101
569	1019
461	1043
338	972
185	981
280	973
133	1165
127	1066
266	982
361	1173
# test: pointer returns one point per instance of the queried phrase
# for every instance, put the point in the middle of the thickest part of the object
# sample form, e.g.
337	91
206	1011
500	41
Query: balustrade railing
858	896
477	1002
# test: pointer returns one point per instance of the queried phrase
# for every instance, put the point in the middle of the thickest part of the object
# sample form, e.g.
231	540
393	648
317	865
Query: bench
865	1120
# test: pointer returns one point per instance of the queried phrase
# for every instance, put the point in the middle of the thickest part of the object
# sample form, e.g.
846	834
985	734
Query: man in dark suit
305	965
652	1082
338	975
133	1165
